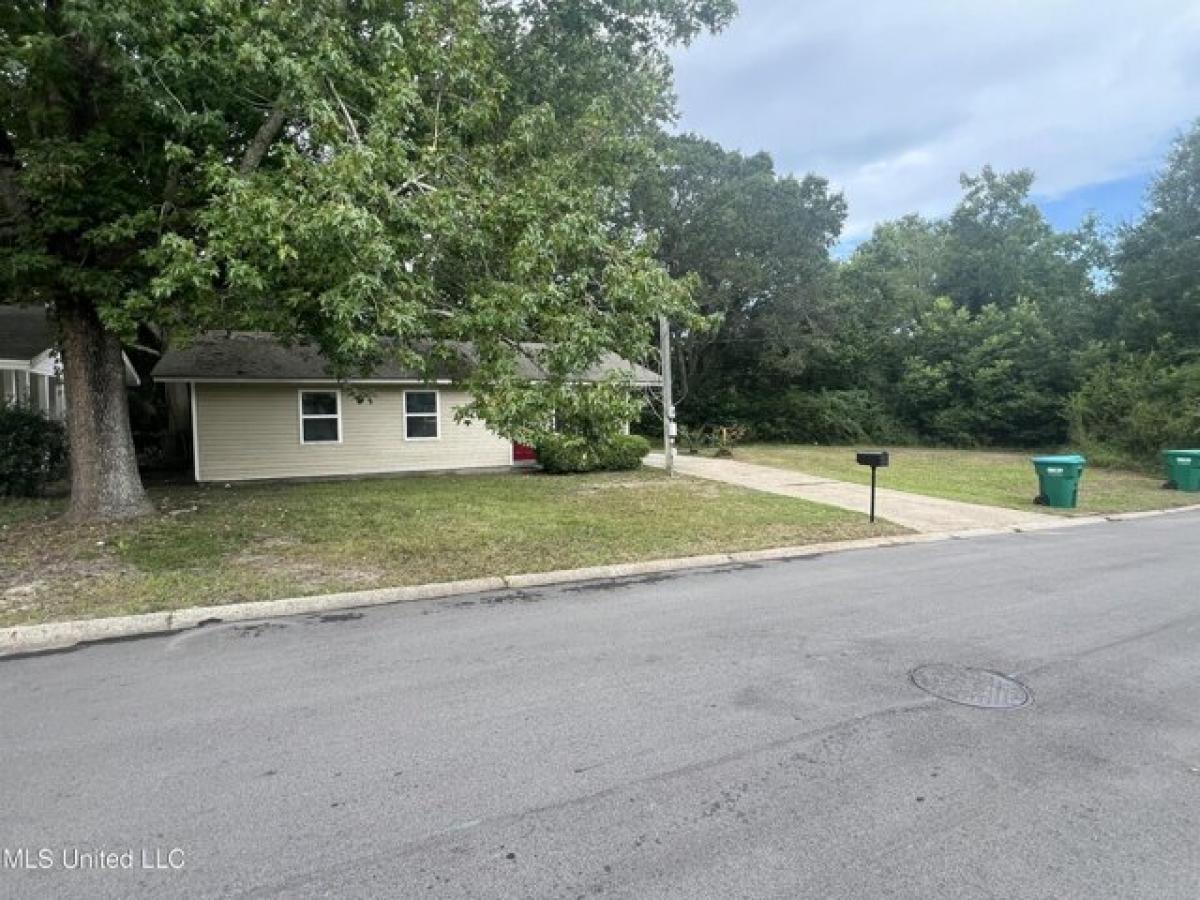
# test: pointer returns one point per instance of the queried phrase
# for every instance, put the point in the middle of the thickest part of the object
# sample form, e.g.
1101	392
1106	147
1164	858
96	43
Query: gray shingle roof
246	356
25	331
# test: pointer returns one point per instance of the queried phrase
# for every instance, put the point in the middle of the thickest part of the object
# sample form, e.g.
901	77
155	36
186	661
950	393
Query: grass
212	545
988	477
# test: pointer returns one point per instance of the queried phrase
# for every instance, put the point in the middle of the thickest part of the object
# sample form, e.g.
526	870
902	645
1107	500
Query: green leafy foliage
999	377
564	454
624	453
561	454
1000	249
755	246
962	331
367	176
825	416
32	451
1155	303
1137	405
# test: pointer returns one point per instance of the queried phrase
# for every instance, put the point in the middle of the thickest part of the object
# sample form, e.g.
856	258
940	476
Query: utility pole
668	401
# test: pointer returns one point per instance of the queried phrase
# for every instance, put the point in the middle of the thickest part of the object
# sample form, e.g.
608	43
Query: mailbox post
876	459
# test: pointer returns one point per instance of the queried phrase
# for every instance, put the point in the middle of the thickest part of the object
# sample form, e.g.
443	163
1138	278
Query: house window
320	417
421	415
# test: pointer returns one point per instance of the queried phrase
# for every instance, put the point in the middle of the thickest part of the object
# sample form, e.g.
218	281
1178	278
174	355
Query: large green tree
756	245
1141	391
965	329
1156	296
370	175
999	248
1000	376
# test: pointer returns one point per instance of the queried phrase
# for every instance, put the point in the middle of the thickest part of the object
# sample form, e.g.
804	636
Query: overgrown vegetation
987	328
32	451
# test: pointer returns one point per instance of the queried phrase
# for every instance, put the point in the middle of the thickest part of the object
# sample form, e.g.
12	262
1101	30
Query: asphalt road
740	733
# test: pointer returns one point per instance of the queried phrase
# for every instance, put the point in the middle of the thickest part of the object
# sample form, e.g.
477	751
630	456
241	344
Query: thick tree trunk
105	483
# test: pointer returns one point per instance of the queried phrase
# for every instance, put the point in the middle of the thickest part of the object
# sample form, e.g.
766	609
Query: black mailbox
876	459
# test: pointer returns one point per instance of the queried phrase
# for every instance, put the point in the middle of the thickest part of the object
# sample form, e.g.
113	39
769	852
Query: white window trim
437	414
196	432
338	415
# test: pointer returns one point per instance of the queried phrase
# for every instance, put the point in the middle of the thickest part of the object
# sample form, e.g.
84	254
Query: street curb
1150	513
21	640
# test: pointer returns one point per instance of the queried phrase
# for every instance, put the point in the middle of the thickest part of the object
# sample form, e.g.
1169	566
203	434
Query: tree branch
170	189
350	126
263	138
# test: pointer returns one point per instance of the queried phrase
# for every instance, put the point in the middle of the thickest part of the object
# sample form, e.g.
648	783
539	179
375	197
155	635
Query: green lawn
988	477
211	544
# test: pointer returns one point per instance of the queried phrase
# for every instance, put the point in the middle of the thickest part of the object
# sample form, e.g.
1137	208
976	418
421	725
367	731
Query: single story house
263	410
30	370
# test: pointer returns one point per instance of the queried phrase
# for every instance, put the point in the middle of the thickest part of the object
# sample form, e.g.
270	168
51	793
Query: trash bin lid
1195	454
1071	460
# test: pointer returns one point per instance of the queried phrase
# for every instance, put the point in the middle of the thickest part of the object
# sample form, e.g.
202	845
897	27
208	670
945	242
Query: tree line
988	327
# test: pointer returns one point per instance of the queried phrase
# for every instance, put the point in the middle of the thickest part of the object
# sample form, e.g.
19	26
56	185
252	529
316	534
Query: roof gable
25	332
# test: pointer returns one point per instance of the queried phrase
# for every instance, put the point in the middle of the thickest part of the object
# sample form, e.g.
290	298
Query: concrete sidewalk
915	511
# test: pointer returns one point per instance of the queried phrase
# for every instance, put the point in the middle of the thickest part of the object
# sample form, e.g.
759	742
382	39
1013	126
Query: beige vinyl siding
247	431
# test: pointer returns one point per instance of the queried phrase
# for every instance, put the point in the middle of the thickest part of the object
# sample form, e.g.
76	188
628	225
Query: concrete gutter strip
1151	513
60	635
26	639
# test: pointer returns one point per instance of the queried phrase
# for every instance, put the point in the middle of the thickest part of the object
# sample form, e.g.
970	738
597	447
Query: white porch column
43	382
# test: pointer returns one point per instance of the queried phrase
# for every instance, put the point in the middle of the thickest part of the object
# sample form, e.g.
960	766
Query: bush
561	454
823	417
33	450
1134	407
623	453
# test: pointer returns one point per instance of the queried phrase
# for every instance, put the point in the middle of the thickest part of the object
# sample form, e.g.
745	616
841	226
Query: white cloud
892	100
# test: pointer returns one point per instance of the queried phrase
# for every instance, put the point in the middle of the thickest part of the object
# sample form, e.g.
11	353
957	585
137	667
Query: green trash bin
1183	469
1058	480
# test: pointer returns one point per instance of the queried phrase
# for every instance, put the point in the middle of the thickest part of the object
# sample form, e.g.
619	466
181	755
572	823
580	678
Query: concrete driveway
742	733
915	511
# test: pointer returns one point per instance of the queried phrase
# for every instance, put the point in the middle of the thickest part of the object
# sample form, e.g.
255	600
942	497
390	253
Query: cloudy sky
892	100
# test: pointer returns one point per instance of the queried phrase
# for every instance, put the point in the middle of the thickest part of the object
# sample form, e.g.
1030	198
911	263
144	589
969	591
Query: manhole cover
971	687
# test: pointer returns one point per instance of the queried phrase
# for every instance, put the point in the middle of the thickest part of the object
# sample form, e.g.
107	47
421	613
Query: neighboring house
262	410
30	371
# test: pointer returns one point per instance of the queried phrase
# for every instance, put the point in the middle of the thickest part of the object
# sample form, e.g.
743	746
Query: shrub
561	454
32	451
823	417
623	453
